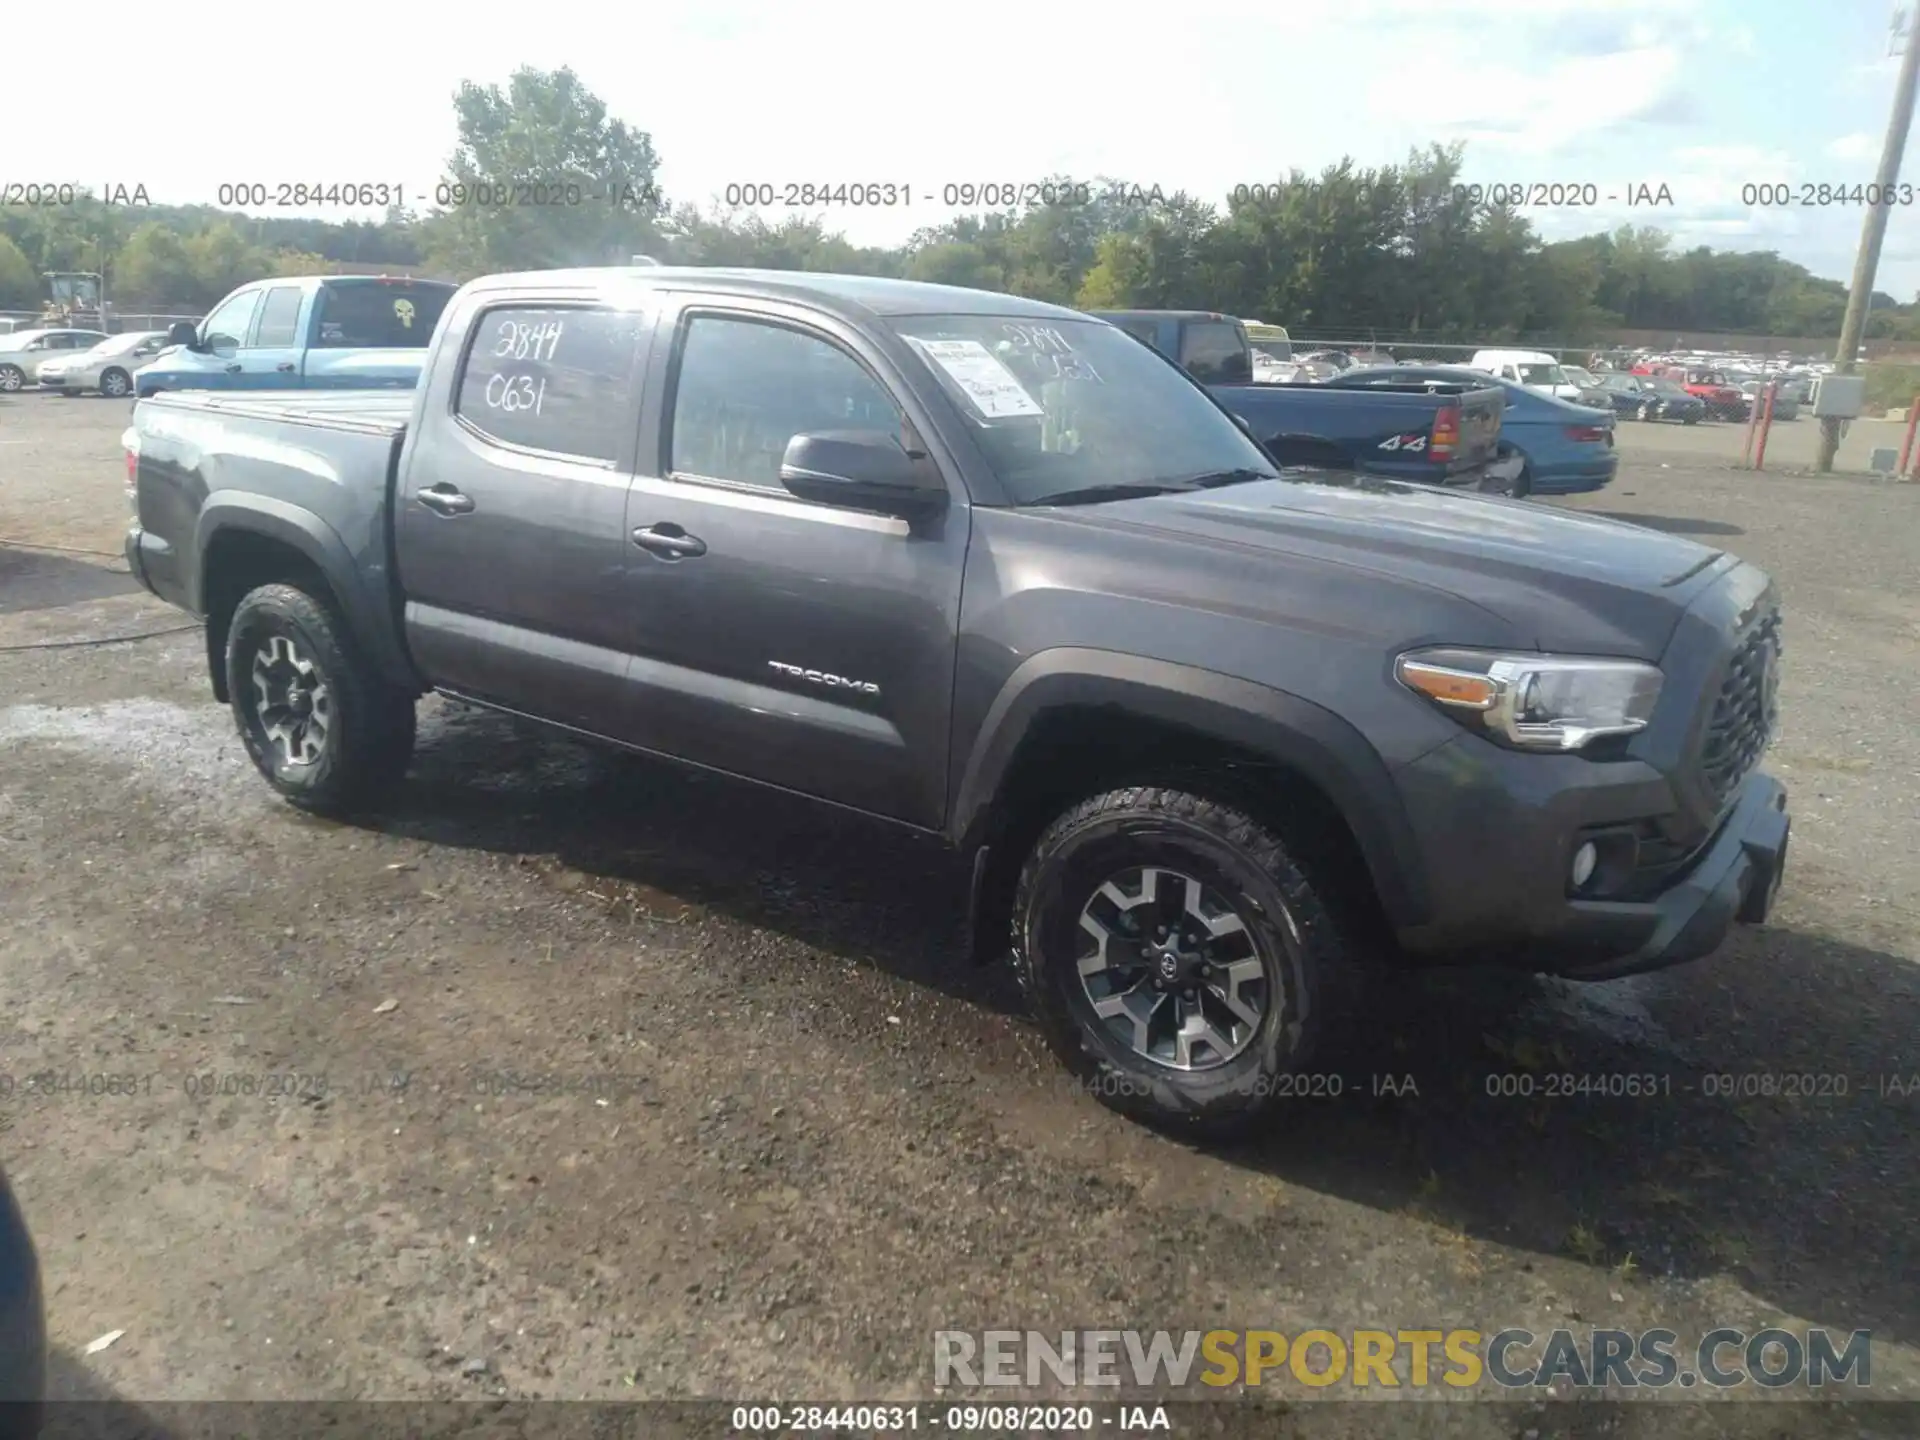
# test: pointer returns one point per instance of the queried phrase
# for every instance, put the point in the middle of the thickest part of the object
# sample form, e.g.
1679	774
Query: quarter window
745	388
561	380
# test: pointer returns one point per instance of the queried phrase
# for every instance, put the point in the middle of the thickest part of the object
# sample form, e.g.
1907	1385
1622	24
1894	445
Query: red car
1723	401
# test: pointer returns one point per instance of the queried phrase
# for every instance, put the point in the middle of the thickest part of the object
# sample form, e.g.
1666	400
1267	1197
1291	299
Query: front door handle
286	367
443	499
669	542
234	369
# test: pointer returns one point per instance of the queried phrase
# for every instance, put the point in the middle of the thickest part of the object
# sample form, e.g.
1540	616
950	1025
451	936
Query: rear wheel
1175	956
12	378
324	729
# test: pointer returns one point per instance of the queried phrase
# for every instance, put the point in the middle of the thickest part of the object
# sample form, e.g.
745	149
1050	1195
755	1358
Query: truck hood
1562	581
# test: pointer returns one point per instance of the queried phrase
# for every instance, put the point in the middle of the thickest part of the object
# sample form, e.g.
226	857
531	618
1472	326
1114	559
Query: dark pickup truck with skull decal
992	572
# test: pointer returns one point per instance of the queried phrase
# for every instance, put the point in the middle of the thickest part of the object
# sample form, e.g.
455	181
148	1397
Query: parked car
992	572
1652	397
1786	402
1723	401
108	367
313	332
1535	369
1335	360
23	352
1592	392
23	1325
1413	432
1565	449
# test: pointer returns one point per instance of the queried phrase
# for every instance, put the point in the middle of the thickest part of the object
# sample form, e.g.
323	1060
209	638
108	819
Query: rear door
509	515
801	644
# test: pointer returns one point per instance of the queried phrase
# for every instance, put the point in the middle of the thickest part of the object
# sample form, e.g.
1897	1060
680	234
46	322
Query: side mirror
224	346
860	470
183	333
1244	423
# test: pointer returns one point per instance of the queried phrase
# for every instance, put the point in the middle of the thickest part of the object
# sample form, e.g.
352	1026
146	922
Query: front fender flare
1306	737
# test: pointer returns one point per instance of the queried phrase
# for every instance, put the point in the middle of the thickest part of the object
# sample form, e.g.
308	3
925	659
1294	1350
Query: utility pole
1872	232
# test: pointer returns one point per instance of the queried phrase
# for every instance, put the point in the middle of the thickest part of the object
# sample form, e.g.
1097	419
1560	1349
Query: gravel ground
793	1134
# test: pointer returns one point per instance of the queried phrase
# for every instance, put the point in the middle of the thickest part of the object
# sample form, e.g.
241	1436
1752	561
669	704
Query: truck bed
384	411
1375	428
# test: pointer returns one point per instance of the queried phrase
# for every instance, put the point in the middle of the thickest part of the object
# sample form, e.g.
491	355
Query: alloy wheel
292	701
1171	969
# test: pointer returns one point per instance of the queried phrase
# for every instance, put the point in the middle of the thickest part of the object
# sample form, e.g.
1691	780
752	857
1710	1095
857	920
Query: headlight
1534	702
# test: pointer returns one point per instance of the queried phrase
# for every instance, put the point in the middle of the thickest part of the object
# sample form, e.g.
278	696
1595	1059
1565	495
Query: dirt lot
793	1134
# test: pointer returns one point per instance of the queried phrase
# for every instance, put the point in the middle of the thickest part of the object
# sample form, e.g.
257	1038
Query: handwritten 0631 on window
556	380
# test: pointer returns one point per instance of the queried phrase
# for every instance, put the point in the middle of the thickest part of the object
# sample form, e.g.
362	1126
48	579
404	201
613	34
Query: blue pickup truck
1428	433
310	332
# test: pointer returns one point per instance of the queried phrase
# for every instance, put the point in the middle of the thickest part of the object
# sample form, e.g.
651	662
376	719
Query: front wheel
1175	956
116	384
326	731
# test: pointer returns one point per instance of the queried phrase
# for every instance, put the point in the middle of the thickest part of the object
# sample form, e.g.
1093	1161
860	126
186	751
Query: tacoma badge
821	677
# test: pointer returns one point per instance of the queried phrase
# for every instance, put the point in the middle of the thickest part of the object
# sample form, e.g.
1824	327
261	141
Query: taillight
1589	434
1445	438
133	481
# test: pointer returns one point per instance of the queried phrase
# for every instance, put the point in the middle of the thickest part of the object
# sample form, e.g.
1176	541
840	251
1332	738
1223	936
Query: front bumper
1498	838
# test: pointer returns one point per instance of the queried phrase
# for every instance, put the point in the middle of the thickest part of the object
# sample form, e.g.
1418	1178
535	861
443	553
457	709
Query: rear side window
279	317
1215	353
562	380
378	315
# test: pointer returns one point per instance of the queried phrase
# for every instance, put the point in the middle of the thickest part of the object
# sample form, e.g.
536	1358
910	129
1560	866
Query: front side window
555	379
746	387
1059	406
1215	353
227	326
1532	374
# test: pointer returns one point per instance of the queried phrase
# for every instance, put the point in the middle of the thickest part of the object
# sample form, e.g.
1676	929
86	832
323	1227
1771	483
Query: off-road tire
371	729
1292	928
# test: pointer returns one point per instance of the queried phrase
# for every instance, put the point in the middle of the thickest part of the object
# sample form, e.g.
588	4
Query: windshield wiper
1094	494
1213	479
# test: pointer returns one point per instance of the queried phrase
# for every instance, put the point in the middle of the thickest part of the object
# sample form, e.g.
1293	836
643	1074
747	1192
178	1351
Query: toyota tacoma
1205	731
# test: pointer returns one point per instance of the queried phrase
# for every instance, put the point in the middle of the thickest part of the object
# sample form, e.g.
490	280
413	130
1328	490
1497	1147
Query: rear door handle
286	367
234	369
443	499
669	542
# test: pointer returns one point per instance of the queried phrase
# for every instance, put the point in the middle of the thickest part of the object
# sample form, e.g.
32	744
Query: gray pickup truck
992	571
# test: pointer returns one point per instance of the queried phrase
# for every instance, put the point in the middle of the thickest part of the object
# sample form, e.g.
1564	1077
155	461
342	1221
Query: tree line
1401	250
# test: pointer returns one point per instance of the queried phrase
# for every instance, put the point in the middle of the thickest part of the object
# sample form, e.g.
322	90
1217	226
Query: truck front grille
1744	711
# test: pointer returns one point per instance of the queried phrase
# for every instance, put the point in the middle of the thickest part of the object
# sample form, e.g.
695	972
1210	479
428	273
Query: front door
788	641
223	335
511	542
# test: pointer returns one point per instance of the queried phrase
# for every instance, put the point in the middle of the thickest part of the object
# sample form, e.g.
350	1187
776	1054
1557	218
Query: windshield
1665	386
1579	376
1058	406
1275	350
1536	374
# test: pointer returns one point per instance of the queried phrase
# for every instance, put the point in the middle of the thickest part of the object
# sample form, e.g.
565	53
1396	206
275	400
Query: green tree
545	136
154	268
20	284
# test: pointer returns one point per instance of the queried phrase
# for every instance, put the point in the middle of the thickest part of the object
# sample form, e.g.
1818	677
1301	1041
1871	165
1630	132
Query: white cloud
1857	146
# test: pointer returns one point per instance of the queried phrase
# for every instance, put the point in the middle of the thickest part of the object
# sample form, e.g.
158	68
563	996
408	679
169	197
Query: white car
24	351
108	367
1534	369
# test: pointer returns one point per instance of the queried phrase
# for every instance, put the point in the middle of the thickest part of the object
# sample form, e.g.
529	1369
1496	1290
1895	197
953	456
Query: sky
1704	97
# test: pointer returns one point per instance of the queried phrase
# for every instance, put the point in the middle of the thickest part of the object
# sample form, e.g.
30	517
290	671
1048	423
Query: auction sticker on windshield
988	385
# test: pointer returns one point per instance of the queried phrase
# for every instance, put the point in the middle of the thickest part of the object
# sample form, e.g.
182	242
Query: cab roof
852	297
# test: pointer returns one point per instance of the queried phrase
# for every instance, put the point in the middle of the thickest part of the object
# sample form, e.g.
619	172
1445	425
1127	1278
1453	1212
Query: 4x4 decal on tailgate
1415	443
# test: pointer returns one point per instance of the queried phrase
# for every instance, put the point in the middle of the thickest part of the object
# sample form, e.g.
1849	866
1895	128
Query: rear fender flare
1306	737
228	511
